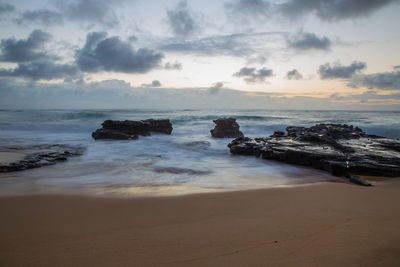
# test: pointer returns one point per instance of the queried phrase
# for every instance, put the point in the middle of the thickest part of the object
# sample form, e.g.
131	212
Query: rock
38	156
340	149
112	134
226	128
278	134
130	130
357	180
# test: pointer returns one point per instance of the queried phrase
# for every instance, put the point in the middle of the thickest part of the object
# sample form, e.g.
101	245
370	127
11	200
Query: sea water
187	161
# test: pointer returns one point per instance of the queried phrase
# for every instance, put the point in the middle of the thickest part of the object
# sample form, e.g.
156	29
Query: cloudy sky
288	54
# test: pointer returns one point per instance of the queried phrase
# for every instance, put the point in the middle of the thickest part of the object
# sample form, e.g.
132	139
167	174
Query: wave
210	118
195	145
34	129
84	115
197	121
39	116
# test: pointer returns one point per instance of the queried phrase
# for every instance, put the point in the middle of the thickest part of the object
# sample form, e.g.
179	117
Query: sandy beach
329	224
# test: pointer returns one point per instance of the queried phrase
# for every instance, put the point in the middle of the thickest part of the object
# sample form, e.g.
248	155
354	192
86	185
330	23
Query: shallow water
188	161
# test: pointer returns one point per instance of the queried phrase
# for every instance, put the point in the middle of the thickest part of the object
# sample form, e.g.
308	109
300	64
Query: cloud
13	50
338	71
91	11
248	9
307	41
369	97
330	10
173	66
381	81
116	93
41	70
182	21
132	38
216	88
207	46
84	12
153	84
294	75
34	63
5	8
42	16
251	75
326	10
156	83
257	59
238	45
111	54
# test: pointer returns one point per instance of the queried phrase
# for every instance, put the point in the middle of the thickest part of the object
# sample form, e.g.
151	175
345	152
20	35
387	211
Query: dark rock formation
38	156
340	149
129	130
226	128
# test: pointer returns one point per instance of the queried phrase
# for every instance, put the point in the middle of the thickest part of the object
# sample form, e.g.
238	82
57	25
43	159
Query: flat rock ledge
130	130
226	128
37	156
339	149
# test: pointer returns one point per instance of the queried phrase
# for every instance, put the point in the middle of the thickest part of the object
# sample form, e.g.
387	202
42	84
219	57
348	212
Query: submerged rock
130	130
340	149
37	156
226	128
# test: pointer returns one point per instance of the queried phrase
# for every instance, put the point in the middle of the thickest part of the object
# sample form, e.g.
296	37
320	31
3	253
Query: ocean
187	161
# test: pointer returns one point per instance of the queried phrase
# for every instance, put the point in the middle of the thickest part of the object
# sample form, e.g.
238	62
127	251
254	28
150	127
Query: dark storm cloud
43	69
338	71
112	54
328	10
5	8
13	50
294	75
182	21
42	16
173	66
216	88
382	81
307	41
252	75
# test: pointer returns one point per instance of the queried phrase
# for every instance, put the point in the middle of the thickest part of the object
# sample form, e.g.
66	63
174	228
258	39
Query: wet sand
9	156
330	224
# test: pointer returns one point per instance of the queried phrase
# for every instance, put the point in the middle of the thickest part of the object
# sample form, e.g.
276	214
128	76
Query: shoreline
326	224
169	191
21	184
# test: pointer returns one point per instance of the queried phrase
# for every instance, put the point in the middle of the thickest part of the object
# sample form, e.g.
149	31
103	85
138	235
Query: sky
236	54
